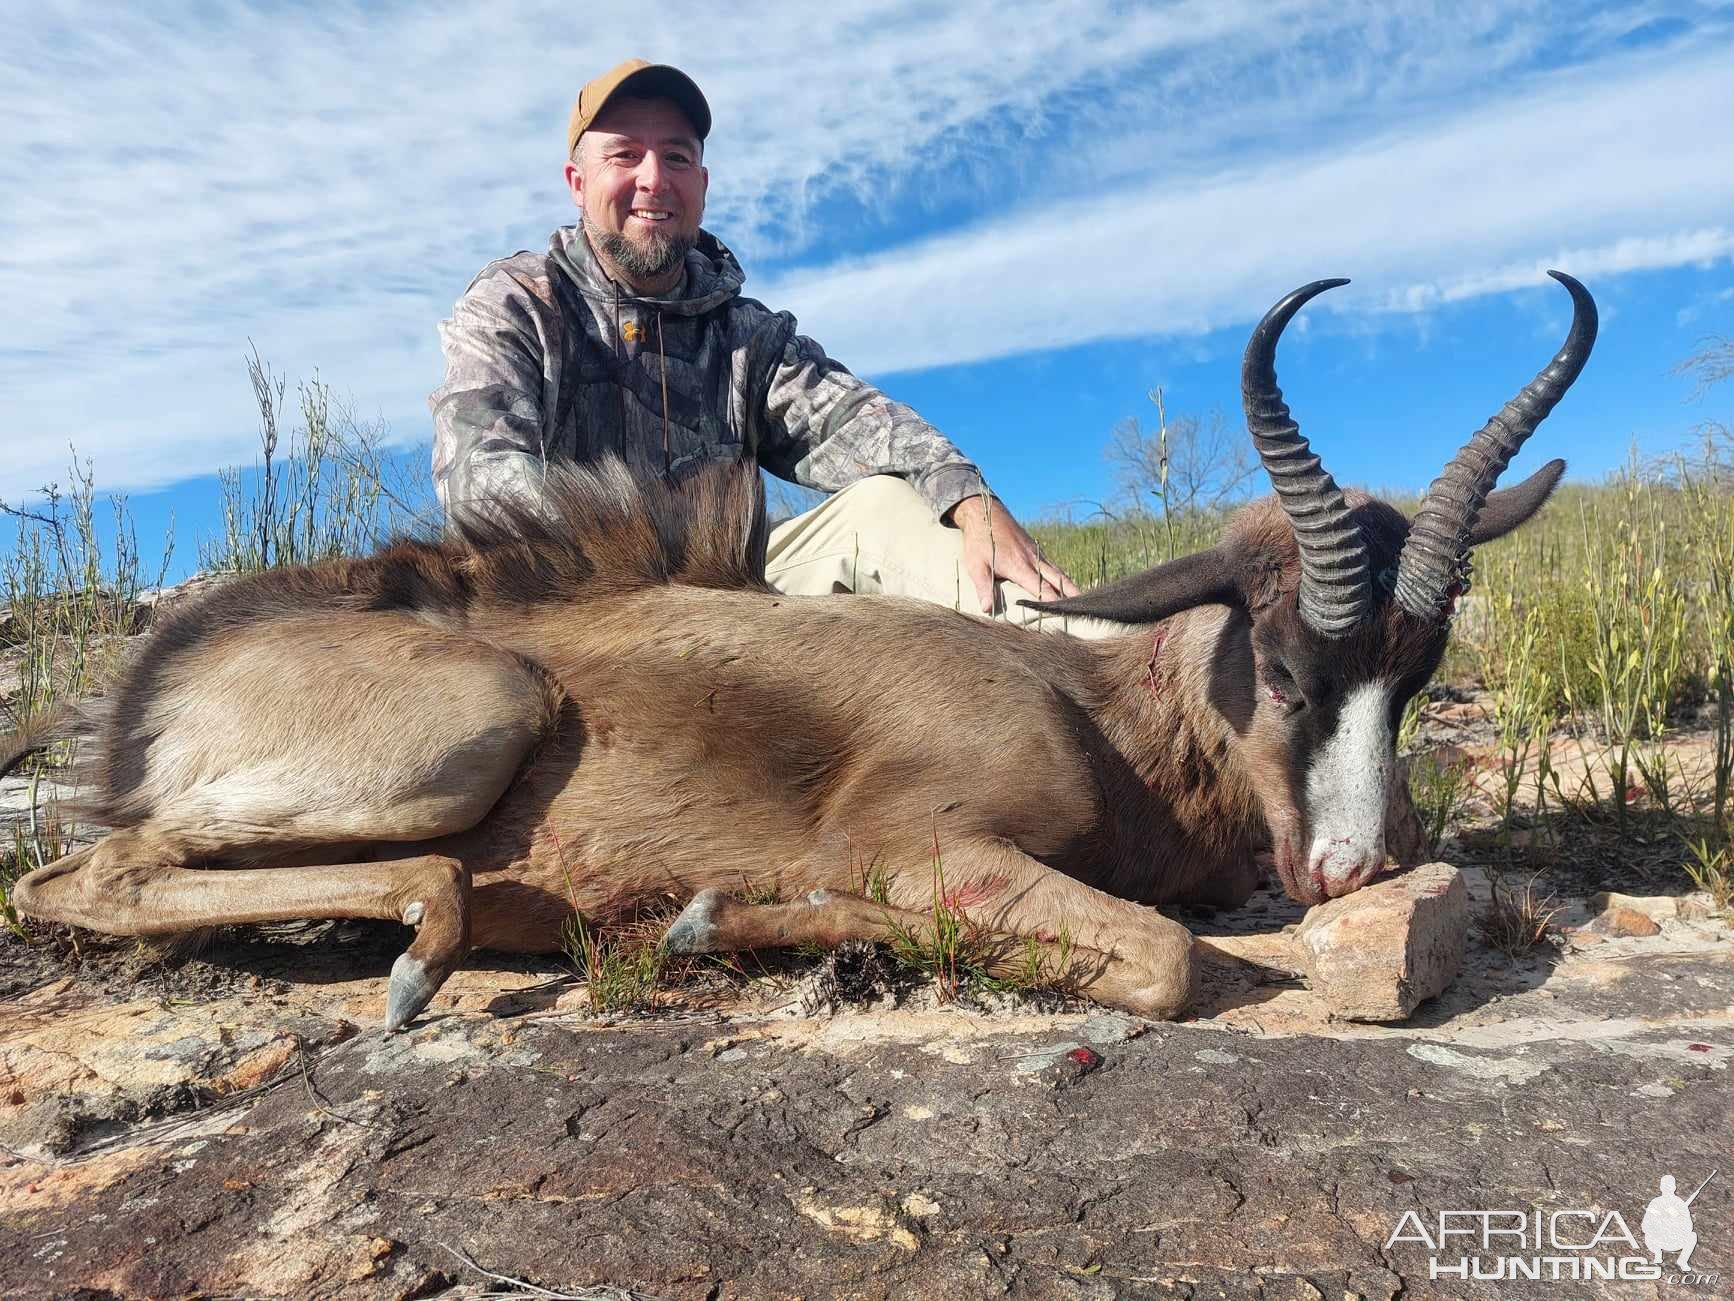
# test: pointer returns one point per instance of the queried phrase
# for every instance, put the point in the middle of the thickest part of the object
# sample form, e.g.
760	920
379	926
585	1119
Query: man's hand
996	546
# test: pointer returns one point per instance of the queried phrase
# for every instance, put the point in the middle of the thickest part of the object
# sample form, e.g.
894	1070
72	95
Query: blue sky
1019	217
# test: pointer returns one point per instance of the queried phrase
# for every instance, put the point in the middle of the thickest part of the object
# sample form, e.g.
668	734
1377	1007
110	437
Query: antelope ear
1508	508
1203	578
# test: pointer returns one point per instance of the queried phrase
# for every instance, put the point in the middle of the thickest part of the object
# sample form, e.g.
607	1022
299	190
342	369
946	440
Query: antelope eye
1280	684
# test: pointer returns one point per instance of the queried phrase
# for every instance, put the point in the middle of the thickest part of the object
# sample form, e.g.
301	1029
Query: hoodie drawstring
662	364
619	376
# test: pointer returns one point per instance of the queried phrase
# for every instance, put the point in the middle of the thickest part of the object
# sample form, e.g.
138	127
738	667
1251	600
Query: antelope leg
717	922
127	885
1138	959
1123	954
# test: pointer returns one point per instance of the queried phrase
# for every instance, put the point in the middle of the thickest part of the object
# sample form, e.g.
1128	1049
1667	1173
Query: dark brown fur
33	736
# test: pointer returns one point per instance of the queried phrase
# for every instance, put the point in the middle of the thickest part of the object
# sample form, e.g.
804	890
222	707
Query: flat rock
1377	954
1620	920
1657	907
240	1126
872	1157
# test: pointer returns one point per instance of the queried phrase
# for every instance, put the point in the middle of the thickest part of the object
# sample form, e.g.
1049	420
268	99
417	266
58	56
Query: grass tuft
620	974
957	953
1440	786
1711	869
324	488
951	951
1514	921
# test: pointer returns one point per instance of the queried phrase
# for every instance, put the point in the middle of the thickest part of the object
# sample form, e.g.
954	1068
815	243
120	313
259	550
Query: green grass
1440	787
1710	867
957	953
1610	618
69	602
11	868
328	487
951	953
619	973
33	841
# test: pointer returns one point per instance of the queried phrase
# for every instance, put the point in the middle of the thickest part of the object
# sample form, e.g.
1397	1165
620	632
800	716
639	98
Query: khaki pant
879	535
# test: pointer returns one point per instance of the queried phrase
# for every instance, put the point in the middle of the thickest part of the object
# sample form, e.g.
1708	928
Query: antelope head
1340	608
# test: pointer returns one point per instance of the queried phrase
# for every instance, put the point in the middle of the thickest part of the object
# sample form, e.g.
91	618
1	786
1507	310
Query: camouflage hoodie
548	358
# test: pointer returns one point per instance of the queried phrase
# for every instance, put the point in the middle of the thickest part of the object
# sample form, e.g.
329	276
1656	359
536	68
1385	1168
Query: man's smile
652	214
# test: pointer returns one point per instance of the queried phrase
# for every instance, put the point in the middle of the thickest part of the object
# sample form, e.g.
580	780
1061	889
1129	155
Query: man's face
640	184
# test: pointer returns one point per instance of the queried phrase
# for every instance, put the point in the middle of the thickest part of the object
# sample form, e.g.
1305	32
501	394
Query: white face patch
1346	788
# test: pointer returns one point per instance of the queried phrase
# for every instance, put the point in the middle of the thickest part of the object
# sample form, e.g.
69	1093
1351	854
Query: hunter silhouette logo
632	331
1667	1223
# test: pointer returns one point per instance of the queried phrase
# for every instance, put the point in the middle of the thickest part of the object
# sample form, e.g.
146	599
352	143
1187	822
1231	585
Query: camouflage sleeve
487	415
826	429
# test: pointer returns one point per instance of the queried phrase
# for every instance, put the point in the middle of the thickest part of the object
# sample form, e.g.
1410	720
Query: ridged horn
1432	559
1335	584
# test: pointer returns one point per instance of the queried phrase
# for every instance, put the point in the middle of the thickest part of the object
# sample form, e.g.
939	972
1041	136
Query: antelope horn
1433	558
1335	584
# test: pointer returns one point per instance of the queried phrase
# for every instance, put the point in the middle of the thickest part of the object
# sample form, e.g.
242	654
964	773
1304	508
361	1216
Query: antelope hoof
412	988
695	930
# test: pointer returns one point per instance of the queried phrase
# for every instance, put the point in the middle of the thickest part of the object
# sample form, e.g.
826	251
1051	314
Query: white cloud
1694	311
1633	253
323	181
1598	174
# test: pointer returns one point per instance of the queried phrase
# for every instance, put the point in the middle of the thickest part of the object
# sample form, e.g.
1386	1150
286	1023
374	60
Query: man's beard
651	259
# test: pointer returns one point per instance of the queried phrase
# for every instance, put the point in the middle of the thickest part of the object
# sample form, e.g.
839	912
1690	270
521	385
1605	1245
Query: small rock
1071	1067
1657	906
367	1256
1458	714
919	1206
258	1066
1106	1028
1621	920
1063	1065
1377	954
866	1223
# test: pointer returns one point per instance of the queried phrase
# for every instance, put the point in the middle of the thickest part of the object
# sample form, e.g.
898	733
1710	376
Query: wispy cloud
324	181
1694	311
1605	172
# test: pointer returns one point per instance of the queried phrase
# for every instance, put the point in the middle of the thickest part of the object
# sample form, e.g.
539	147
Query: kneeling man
630	335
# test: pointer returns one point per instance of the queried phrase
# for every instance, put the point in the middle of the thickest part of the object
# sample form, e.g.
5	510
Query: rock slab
1379	953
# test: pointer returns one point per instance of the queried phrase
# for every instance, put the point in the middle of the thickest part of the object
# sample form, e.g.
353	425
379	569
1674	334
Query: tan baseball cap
642	78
